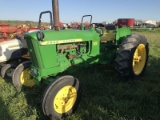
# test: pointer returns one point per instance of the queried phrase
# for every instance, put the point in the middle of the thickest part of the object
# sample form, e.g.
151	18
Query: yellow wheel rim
65	99
26	79
139	59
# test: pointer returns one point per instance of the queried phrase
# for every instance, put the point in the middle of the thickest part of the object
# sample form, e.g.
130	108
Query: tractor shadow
105	96
4	111
7	80
34	96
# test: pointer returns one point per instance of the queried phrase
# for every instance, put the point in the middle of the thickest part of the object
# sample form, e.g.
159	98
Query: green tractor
55	51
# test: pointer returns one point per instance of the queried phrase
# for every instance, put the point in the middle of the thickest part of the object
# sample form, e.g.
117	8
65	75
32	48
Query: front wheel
7	70
62	97
132	56
22	75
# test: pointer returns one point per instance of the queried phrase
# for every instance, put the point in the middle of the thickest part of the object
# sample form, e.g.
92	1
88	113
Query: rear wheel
62	97
22	75
132	56
7	70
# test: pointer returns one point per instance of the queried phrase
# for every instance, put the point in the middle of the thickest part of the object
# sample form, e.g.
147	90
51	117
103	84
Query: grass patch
104	97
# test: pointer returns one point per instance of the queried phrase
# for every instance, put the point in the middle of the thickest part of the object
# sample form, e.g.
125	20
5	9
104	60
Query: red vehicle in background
10	32
13	47
125	22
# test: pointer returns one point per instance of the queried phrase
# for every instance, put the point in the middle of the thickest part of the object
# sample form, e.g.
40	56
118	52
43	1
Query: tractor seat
109	33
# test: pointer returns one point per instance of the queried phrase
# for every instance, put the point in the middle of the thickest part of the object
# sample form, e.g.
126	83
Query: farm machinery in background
55	51
136	24
13	47
9	32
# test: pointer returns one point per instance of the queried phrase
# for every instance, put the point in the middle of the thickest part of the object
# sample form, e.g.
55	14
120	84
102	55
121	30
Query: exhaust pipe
55	8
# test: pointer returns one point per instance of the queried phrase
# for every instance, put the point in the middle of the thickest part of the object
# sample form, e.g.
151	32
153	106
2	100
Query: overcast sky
73	10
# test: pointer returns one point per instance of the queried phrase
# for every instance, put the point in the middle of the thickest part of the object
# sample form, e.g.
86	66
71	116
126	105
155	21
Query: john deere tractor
55	51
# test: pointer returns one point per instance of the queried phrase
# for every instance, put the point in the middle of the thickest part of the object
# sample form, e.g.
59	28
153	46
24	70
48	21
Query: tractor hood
63	36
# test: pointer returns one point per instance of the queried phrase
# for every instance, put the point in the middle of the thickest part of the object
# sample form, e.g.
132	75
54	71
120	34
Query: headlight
35	71
40	35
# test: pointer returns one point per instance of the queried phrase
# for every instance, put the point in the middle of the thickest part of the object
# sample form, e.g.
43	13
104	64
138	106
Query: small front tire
62	97
7	70
22	75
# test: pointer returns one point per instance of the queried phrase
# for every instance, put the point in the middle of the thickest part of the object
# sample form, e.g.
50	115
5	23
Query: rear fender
121	33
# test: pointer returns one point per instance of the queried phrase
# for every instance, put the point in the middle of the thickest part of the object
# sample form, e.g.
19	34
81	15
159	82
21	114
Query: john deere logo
59	41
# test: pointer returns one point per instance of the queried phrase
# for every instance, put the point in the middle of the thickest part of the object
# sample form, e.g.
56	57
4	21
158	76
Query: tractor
55	51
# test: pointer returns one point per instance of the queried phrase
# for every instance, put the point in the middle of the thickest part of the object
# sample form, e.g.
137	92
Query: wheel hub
65	99
9	72
26	79
139	59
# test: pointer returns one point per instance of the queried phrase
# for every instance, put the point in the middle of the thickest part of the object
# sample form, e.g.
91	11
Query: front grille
31	49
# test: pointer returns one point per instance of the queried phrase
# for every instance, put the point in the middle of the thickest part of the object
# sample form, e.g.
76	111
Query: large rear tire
132	56
22	75
62	97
